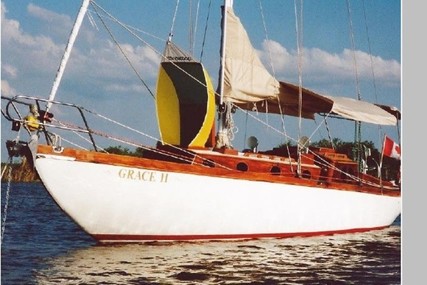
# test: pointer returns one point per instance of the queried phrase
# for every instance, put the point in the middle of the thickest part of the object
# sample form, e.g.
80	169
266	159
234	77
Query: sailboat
193	184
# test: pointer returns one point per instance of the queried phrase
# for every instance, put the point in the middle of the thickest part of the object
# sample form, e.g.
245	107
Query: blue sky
34	34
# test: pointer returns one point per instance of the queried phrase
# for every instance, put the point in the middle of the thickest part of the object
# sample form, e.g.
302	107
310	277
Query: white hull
114	203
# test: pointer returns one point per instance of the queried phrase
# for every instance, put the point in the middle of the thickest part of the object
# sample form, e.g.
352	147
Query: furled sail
185	99
249	85
358	110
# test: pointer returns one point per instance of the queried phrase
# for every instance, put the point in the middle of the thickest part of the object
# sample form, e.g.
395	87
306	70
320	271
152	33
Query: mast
222	136
227	4
71	40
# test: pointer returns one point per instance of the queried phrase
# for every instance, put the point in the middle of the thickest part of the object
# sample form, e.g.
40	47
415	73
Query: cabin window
208	163
242	166
275	170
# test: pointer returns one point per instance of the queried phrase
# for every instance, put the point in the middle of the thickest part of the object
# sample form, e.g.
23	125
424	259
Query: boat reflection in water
371	257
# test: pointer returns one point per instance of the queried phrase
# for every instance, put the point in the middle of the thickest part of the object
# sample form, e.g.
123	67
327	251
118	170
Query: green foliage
124	151
139	151
118	150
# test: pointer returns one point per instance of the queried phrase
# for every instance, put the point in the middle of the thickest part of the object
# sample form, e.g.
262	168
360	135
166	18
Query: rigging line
173	20
267	38
73	131
320	131
6	166
372	66
195	27
358	124
317	128
299	31
78	146
128	27
370	52
206	30
92	20
126	141
123	53
272	67
190	27
264	123
329	133
73	127
290	138
152	48
324	162
276	130
269	56
246	129
353	50
129	142
143	134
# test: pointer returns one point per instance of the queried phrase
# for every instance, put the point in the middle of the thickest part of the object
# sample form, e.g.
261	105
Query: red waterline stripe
135	238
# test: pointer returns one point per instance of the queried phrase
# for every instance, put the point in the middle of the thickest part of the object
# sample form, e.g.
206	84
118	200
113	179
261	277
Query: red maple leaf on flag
390	148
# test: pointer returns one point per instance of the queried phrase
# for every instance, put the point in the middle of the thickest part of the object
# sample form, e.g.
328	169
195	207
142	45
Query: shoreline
21	172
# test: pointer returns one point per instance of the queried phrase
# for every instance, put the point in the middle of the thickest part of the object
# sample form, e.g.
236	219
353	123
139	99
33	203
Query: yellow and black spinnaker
185	100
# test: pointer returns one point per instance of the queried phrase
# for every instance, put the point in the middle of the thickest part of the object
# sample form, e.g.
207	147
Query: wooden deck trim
160	165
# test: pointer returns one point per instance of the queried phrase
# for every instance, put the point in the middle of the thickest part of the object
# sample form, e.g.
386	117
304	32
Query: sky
345	49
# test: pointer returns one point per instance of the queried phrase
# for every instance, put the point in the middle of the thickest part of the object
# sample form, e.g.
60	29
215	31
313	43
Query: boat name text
179	58
143	175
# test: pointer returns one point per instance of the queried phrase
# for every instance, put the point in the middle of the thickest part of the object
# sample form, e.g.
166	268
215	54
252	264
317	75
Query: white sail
245	77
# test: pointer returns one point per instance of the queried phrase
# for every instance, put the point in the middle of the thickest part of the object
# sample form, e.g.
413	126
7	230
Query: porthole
275	170
242	166
306	174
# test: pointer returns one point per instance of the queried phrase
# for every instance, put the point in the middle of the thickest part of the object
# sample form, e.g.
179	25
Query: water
41	245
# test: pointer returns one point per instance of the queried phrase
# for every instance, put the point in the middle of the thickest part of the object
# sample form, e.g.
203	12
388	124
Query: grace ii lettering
143	175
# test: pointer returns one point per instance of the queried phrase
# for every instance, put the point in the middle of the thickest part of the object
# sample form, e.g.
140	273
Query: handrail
29	100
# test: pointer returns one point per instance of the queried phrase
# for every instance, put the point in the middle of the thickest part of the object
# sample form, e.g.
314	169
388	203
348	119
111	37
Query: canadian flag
390	148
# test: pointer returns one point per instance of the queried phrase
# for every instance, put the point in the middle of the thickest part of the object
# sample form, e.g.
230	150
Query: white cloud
25	54
321	65
122	88
93	58
57	24
9	70
274	50
10	29
6	90
97	61
46	15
